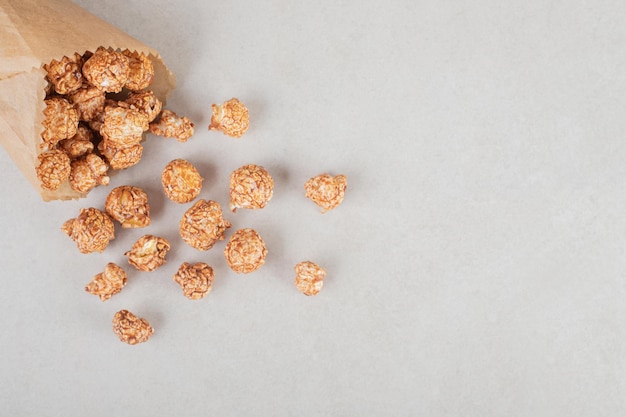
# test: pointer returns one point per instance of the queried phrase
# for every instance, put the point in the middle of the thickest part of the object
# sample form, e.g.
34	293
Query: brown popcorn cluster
202	225
53	169
251	187
91	230
148	253
245	251
129	206
107	283
309	277
230	118
170	125
195	280
326	191
181	181
130	328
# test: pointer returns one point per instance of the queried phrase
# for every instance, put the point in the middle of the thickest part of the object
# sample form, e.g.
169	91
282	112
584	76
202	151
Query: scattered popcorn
130	328
65	74
88	101
120	157
123	127
129	206
107	283
91	230
53	169
88	172
60	121
107	70
245	251
309	277
141	70
78	145
170	125
251	187
202	225
181	181
195	280
146	102
326	191
148	253
231	118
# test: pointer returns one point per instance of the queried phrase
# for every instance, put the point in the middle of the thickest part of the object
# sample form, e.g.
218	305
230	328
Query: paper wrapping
33	33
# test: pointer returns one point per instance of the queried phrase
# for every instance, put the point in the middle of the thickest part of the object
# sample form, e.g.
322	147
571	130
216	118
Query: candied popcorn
146	102
309	277
148	253
141	70
181	181
53	169
107	70
88	172
231	118
91	230
120	157
251	187
65	74
60	121
123	127
107	283
89	101
129	206
195	280
130	328
326	191
202	225
78	145
170	125
245	251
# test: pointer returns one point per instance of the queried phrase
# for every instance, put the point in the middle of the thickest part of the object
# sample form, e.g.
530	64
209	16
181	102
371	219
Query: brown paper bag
33	33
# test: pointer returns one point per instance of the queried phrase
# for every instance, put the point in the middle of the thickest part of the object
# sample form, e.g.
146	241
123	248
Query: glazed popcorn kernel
65	75
53	169
181	181
107	70
146	102
148	253
130	328
107	283
170	125
141	70
326	191
251	187
195	280
230	118
122	126
89	102
129	206
91	230
120	157
78	145
245	251
309	277
88	172
202	225
60	121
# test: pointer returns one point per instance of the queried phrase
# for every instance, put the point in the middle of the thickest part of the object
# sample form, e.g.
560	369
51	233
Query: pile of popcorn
87	132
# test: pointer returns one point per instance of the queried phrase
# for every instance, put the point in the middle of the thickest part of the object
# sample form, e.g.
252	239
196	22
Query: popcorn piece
120	157
195	280
91	230
231	118
170	125
148	253
130	328
60	121
88	172
146	102
326	191
89	101
107	283
80	144
141	70
53	169
181	181
202	225
309	277
123	127
245	251
129	206
107	70
65	74
251	187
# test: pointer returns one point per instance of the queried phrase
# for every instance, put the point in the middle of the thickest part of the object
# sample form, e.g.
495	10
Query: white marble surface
476	267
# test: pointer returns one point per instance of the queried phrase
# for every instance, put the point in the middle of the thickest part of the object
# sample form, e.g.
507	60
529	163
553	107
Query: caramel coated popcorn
120	157
65	75
88	172
53	169
202	225
130	328
91	230
107	70
60	121
170	125
245	251
251	187
89	102
230	118
129	206
141	70
181	181
195	280
122	126
309	277
326	191
107	283
148	253
146	102
78	145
